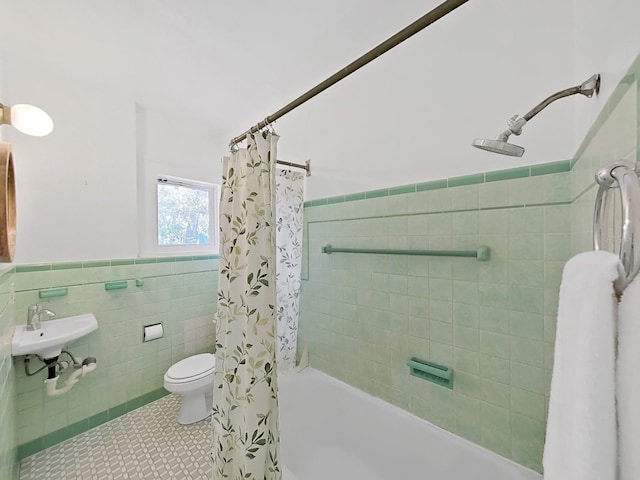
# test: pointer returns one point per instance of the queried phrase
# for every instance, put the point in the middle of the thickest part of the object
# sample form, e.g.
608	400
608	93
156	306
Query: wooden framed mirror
7	204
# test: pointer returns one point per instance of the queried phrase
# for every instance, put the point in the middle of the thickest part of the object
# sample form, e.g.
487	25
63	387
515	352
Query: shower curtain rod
437	13
306	167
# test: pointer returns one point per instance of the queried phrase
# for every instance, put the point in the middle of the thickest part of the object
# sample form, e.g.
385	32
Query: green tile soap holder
431	372
119	285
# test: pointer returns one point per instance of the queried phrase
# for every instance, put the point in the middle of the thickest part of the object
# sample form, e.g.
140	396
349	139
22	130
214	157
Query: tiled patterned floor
147	443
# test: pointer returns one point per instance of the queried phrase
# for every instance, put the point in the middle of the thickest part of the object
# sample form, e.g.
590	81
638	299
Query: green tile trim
53	293
74	429
608	107
33	268
466	180
204	257
103	263
355	196
95	264
621	90
338	199
142	261
437	184
98	419
34	446
548	168
383	192
510	174
66	266
402	189
27	449
117	411
119	263
474	179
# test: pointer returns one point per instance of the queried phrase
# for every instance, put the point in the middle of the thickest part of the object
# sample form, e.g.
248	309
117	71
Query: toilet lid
195	366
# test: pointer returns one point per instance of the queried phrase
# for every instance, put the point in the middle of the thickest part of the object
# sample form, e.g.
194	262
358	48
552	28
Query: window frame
214	206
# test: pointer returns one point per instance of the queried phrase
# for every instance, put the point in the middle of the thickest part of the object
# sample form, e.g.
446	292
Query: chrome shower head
515	123
497	146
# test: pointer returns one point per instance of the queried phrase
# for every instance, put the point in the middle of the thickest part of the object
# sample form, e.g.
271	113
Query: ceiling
227	65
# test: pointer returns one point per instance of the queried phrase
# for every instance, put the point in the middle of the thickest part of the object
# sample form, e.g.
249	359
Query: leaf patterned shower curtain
245	415
289	207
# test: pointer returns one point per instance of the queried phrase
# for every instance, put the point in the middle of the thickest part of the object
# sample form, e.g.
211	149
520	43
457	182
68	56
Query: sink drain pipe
89	364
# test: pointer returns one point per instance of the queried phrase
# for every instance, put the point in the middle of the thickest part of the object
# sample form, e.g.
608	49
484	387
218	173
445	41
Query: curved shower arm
587	88
547	101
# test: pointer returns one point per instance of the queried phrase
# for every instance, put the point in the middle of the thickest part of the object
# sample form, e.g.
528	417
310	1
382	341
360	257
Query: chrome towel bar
623	176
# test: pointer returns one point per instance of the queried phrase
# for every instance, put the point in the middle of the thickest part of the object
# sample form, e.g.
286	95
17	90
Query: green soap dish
432	372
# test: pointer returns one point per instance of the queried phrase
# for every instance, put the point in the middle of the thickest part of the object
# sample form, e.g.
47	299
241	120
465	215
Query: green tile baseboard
475	179
82	426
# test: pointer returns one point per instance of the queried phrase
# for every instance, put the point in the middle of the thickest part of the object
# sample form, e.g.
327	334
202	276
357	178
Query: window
186	214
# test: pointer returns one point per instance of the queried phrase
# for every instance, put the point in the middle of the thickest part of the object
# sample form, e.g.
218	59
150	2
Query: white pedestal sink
52	336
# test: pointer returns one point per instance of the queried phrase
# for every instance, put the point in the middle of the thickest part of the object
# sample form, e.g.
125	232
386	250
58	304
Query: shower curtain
245	414
289	207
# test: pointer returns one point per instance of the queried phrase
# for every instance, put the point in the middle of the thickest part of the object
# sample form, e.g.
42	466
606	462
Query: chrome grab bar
624	176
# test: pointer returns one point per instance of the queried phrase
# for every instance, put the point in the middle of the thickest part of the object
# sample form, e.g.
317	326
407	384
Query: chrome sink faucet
34	316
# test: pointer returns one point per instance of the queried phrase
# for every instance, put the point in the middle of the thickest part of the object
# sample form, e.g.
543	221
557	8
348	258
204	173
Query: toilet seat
191	369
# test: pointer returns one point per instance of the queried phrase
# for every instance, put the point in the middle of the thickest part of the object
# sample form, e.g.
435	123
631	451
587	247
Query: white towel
581	441
627	378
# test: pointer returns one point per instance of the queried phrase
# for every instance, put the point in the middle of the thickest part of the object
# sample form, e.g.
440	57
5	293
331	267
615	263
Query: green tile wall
615	138
8	411
494	322
179	292
364	315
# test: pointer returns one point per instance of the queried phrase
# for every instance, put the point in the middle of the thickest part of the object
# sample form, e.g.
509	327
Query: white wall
201	78
411	115
170	145
75	189
607	40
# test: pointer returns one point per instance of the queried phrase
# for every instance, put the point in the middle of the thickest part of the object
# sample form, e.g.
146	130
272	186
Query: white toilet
193	379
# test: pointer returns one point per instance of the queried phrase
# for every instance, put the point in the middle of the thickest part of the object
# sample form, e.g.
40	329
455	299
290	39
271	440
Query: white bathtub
331	431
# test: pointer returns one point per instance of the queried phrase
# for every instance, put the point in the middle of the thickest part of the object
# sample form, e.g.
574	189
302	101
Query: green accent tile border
466	180
520	172
618	93
435	185
66	266
548	168
355	196
95	264
338	199
402	189
120	263
475	179
383	192
33	268
44	267
144	261
27	449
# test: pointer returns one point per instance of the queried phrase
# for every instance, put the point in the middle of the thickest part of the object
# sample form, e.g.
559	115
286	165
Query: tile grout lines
147	443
